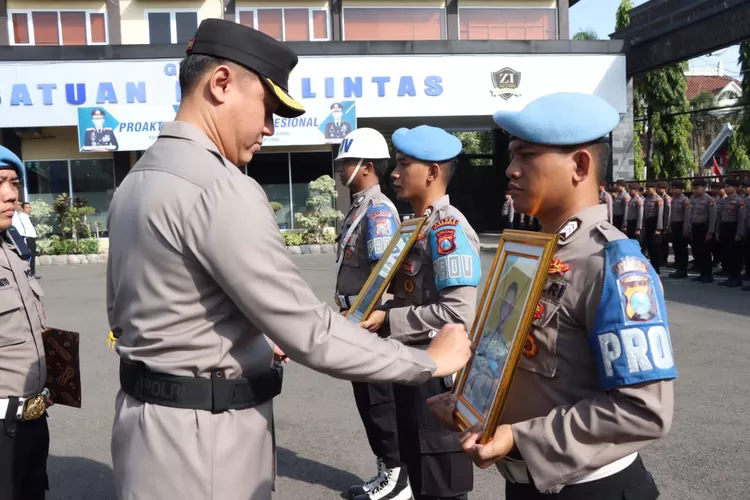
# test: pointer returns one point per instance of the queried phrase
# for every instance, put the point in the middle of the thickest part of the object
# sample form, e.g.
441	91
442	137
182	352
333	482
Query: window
288	24
394	23
50	27
507	24
91	179
171	26
271	171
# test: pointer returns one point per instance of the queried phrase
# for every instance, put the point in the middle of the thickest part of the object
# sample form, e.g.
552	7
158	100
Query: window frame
531	7
172	21
310	10
30	25
443	31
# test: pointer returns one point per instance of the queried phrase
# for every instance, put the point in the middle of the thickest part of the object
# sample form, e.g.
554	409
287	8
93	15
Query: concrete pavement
322	447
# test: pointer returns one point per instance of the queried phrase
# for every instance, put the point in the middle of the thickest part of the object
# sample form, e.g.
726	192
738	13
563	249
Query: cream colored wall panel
62	144
133	21
507	3
249	4
393	3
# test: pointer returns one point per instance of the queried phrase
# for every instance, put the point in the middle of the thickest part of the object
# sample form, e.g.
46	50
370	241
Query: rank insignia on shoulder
427	212
530	348
559	267
569	229
448	221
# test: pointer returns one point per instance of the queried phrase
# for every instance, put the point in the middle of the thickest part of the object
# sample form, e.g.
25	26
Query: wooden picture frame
385	270
501	326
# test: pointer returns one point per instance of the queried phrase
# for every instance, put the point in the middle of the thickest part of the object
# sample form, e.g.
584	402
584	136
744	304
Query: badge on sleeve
631	338
454	260
381	226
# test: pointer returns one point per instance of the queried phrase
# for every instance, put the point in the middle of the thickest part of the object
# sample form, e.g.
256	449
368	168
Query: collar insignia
559	267
569	229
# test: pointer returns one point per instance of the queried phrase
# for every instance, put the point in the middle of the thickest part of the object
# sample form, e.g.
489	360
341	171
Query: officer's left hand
443	406
484	455
374	321
279	355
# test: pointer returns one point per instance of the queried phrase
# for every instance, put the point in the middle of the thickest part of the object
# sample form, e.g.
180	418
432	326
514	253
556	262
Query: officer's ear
584	165
219	79
433	172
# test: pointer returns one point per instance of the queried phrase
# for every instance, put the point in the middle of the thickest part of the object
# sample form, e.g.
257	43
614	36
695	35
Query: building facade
385	64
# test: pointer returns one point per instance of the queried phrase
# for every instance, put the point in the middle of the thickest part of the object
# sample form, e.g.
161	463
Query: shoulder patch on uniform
610	232
381	225
455	262
659	201
630	338
569	229
557	266
711	202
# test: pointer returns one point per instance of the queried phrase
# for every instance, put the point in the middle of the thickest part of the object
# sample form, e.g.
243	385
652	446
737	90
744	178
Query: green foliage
54	245
738	159
40	212
322	193
744	124
297	238
622	17
276	206
71	214
664	94
293	238
476	143
587	34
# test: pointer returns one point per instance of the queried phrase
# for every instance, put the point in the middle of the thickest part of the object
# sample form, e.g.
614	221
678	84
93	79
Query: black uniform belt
216	394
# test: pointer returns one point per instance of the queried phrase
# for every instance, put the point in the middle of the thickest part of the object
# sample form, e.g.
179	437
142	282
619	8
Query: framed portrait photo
385	270
501	326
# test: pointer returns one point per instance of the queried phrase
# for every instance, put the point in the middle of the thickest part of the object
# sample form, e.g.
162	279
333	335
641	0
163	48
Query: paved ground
323	449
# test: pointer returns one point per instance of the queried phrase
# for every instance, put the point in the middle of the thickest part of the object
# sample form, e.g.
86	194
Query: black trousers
664	248
24	447
632	483
438	468
679	245
377	409
715	252
731	252
652	242
617	220
747	254
701	248
31	243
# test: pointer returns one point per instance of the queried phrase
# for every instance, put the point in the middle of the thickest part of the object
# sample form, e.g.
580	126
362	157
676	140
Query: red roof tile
701	83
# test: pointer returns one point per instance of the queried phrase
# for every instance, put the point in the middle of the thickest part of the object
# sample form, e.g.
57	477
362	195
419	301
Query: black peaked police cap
267	57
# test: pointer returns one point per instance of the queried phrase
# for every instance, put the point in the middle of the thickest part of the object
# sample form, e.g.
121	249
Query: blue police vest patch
454	261
631	339
381	227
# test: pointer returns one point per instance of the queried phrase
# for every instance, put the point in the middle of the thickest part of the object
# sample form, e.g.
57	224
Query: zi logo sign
506	82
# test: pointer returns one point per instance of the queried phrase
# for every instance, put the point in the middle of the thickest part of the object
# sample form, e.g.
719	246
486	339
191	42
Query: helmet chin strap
354	174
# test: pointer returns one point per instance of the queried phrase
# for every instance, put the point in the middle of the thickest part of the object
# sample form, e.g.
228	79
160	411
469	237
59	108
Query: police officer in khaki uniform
594	384
606	199
24	435
746	246
718	193
634	214
508	213
666	235
678	229
437	284
653	224
701	222
201	291
620	205
730	220
366	231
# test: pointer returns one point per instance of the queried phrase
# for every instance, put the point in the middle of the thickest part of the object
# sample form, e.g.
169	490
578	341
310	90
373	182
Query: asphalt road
322	448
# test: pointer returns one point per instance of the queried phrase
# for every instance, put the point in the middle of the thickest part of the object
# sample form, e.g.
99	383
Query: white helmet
364	143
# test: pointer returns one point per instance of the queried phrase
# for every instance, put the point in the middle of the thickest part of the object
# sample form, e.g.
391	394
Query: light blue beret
427	143
561	119
8	159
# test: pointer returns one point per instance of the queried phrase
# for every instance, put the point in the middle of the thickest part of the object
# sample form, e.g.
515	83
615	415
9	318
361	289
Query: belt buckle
35	406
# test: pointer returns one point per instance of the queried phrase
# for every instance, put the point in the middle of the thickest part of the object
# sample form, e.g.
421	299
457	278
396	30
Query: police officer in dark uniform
666	236
718	193
679	212
24	435
731	231
653	224
337	129
701	225
99	136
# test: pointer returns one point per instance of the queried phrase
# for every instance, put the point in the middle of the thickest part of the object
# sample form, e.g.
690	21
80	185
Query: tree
704	123
737	158
744	125
668	133
476	143
639	127
587	34
322	192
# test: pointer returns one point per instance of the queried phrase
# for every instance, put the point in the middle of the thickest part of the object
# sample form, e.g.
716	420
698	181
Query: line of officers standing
714	225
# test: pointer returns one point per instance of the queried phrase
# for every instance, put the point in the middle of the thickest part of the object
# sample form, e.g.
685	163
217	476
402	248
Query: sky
599	15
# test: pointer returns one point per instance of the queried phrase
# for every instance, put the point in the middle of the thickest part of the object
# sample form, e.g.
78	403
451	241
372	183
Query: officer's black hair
380	167
194	66
449	167
600	152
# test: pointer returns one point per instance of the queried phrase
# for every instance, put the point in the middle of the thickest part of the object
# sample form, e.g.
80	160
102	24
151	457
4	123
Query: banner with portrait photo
121	128
324	122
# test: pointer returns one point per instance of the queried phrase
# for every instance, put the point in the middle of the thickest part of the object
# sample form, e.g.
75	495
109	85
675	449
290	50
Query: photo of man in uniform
99	137
337	129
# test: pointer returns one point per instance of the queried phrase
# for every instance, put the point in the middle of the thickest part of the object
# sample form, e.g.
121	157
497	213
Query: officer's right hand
451	350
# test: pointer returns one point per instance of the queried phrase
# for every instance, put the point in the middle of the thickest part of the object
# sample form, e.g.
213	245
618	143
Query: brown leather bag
61	348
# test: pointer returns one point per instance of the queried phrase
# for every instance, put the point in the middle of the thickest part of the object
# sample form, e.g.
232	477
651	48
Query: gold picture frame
385	270
519	271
